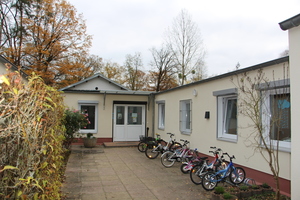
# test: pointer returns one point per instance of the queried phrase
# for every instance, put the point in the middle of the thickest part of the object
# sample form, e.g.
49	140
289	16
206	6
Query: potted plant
218	192
245	192
266	188
234	191
256	190
90	141
227	195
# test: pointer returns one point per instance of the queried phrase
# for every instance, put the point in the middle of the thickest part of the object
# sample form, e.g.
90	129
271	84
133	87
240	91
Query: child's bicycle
218	163
160	146
196	160
236	175
183	154
144	141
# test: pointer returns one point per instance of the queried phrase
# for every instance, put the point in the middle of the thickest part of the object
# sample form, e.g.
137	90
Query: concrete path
125	173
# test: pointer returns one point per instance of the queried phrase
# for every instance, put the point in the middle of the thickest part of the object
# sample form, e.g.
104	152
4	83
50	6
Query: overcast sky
233	30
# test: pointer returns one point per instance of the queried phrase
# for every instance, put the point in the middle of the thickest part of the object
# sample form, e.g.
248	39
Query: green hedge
31	138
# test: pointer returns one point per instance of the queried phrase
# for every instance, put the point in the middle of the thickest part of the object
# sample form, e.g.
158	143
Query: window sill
227	139
186	133
281	149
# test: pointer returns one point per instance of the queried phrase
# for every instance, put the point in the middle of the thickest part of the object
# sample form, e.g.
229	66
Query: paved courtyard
125	173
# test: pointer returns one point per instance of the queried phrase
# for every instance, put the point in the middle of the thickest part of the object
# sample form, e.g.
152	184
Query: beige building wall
2	69
204	131
294	49
105	109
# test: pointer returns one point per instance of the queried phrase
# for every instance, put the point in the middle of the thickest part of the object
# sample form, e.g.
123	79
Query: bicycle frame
224	172
161	147
181	153
209	166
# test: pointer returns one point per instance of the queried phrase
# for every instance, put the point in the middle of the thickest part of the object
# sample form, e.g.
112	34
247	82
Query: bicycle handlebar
230	157
185	141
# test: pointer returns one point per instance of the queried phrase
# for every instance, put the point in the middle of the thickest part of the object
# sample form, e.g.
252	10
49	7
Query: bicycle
160	146
144	141
218	163
236	175
180	155
187	166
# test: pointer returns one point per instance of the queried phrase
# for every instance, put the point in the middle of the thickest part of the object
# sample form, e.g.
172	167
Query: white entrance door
129	122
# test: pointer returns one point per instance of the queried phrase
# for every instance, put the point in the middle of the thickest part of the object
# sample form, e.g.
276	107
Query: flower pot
257	191
245	193
89	142
215	196
267	190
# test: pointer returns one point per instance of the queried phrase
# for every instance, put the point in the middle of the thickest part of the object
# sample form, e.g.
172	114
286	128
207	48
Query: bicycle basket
146	139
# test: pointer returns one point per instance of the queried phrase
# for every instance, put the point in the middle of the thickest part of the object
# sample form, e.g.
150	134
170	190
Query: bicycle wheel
175	145
142	146
237	176
183	168
167	160
209	181
196	174
151	151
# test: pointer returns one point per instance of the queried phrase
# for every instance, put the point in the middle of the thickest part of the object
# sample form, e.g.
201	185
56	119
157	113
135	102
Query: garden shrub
31	137
73	121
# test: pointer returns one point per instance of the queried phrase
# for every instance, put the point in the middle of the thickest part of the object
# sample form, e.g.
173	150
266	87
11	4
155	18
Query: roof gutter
290	23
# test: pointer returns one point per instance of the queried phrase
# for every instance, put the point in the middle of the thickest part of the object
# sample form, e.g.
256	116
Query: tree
267	104
284	53
162	77
184	40
53	39
135	77
12	30
114	72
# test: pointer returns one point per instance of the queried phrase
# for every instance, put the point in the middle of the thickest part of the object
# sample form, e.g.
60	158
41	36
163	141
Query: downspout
104	98
153	112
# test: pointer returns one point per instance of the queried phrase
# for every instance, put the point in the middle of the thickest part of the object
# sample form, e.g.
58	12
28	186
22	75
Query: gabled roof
98	75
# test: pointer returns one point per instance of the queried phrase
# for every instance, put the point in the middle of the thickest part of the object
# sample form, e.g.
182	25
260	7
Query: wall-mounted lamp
195	93
206	115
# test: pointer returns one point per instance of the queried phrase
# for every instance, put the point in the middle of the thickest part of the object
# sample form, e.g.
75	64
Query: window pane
134	115
120	115
187	116
231	116
281	117
161	115
90	111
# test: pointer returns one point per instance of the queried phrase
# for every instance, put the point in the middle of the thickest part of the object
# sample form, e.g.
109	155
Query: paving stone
125	174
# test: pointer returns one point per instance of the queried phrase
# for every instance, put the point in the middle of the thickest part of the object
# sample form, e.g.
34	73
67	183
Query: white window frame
222	113
185	117
224	95
90	103
266	117
161	115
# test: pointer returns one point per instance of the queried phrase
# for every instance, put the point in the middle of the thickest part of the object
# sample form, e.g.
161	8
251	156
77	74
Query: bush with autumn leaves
31	138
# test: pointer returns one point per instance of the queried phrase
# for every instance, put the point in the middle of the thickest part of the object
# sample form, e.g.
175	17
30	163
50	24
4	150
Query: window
276	117
90	109
227	114
161	115
227	117
185	116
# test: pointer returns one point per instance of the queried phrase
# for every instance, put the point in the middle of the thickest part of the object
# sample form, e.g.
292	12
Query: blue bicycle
236	175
